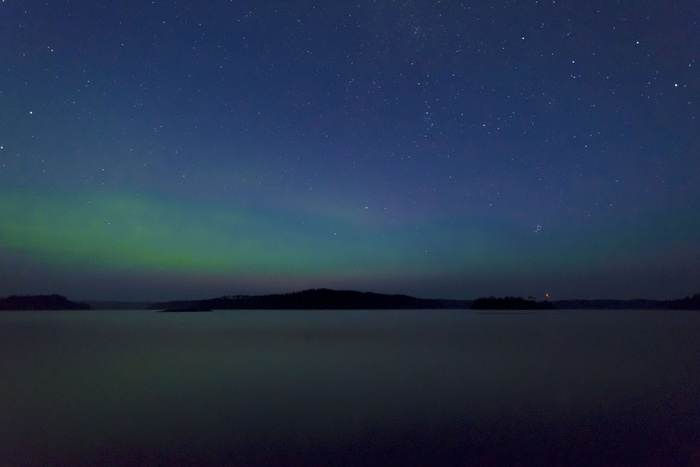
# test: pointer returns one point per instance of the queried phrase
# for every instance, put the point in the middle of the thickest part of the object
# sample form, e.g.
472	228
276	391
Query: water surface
418	387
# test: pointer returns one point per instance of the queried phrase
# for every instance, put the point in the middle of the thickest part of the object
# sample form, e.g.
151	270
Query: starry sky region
154	150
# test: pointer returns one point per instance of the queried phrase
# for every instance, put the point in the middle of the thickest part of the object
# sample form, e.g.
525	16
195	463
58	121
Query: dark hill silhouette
40	302
317	299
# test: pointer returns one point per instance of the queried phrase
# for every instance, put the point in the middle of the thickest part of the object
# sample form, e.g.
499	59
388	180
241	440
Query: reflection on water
349	387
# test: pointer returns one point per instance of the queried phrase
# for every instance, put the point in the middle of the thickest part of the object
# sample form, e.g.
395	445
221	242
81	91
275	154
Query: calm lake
417	387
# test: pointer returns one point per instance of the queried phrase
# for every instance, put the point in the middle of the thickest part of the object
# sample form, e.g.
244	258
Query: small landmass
510	303
40	302
117	305
178	310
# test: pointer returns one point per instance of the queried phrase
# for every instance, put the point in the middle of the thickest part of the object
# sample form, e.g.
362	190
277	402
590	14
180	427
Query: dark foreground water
350	388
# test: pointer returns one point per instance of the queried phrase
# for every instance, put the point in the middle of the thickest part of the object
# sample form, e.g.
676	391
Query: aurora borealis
171	150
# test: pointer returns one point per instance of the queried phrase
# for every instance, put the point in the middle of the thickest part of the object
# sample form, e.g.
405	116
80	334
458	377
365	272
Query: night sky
154	150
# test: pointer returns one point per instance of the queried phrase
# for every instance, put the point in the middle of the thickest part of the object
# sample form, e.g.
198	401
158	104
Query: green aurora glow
146	235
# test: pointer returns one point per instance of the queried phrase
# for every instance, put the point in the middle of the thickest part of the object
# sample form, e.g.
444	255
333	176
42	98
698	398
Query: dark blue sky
153	150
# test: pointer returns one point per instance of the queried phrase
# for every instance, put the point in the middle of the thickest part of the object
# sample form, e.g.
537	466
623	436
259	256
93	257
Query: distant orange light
546	295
